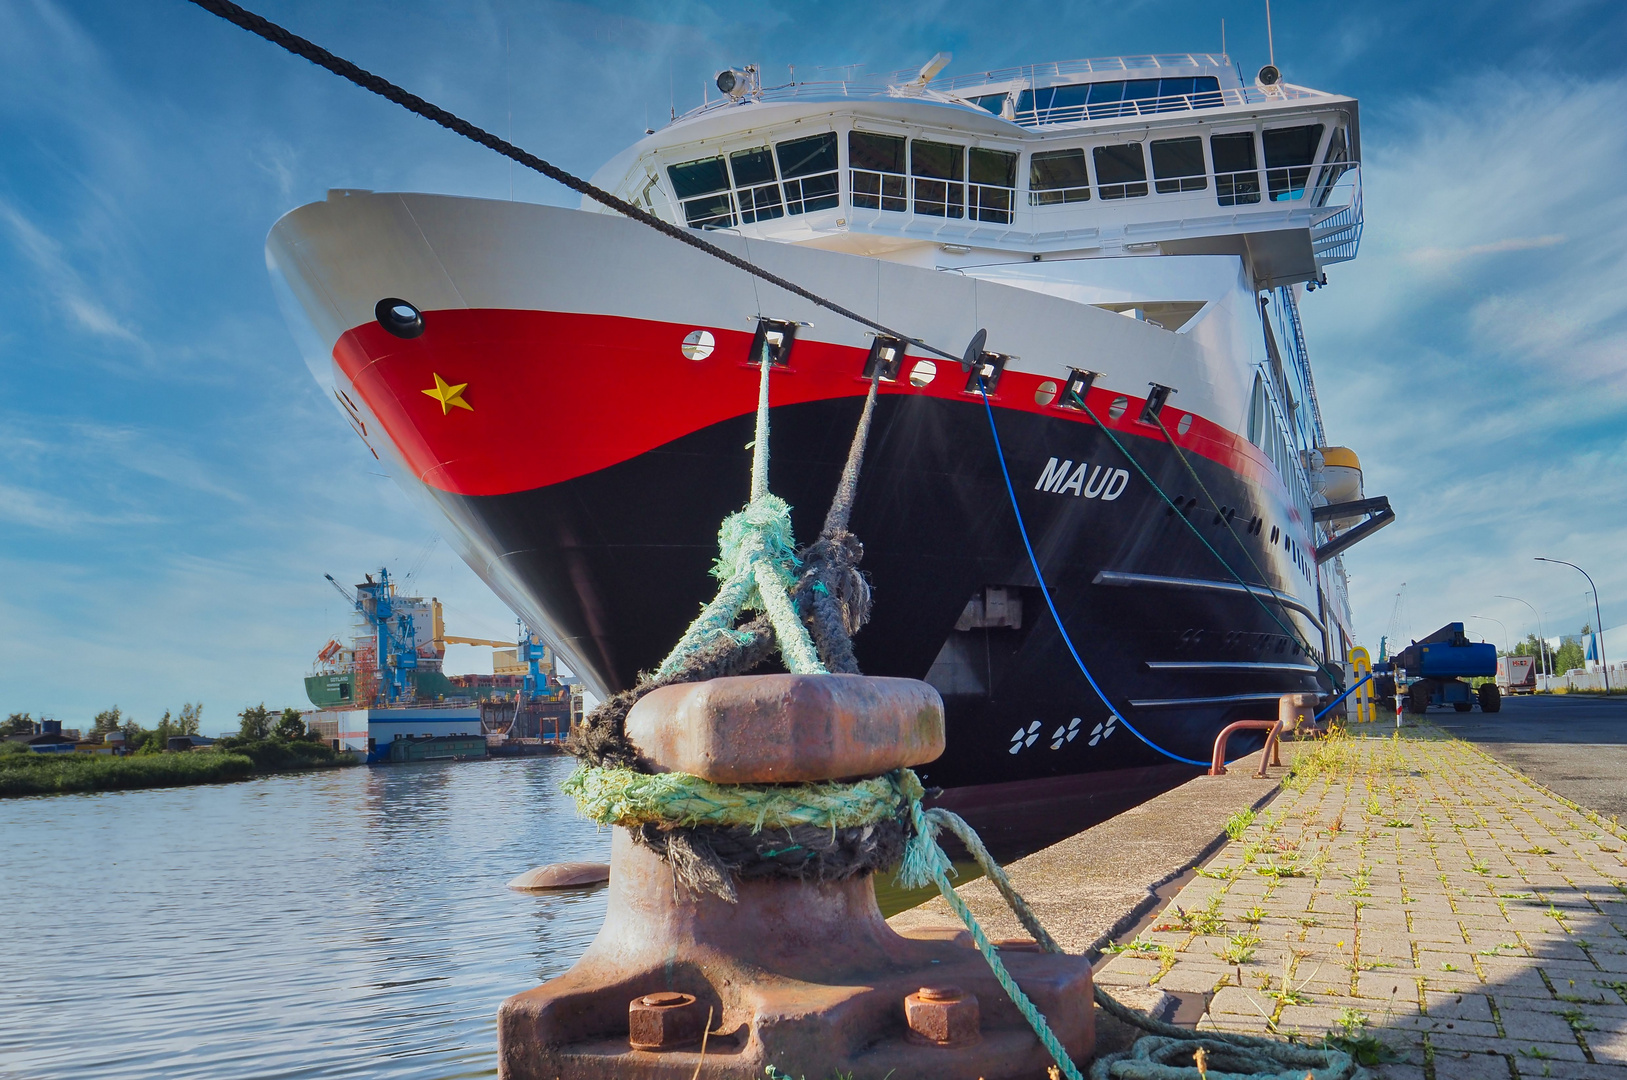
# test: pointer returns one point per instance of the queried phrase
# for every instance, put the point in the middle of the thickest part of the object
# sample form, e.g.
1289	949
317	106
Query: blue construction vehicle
1435	667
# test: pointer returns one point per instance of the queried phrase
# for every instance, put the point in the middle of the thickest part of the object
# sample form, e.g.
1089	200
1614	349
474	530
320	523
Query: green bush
25	773
48	774
286	755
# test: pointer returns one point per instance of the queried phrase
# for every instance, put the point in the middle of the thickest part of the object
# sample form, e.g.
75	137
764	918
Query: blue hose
1341	697
1045	591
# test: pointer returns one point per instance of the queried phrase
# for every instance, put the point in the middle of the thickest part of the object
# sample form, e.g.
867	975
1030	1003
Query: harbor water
346	923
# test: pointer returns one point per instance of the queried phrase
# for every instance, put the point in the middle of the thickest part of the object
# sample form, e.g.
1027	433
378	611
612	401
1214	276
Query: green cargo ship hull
338	690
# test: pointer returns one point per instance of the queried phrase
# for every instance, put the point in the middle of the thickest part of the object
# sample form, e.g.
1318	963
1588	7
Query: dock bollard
801	974
1295	711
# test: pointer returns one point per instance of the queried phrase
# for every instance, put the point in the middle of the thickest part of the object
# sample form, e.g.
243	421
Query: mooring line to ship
1045	591
630	798
1252	590
316	54
299	46
1067	639
1179	453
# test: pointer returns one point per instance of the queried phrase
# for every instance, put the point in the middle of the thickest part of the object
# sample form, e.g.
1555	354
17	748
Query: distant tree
1568	655
187	722
108	720
18	723
256	723
291	725
156	740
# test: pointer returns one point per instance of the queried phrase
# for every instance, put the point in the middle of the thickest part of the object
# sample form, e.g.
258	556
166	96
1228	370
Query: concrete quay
1415	890
1110	878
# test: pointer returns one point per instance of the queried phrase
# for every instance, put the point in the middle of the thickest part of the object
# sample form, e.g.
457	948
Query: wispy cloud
1476	352
56	279
1496	247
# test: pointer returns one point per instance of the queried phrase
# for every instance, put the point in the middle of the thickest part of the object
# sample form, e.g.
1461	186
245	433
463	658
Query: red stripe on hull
556	395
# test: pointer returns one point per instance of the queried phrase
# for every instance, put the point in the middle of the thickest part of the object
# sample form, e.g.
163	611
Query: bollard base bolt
664	1021
942	1016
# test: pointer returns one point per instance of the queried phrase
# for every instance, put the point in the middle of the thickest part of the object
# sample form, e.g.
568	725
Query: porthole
1185	425
1045	393
698	344
922	373
1116	410
399	317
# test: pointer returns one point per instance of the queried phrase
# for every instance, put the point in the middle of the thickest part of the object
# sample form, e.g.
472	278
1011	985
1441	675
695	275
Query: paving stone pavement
1415	890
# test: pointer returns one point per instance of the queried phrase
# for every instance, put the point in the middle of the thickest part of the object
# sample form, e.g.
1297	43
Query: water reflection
344	924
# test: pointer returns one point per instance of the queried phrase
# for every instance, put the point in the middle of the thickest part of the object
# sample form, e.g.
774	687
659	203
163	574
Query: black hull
619	559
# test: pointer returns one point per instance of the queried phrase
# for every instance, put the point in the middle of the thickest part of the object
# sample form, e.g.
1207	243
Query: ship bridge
1166	154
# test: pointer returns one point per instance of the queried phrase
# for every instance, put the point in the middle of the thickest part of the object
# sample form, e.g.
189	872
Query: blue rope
1000	454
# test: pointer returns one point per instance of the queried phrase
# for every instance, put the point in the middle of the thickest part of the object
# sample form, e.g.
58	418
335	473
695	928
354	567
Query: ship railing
873	190
1302	360
870	89
1336	235
1063	69
1137	107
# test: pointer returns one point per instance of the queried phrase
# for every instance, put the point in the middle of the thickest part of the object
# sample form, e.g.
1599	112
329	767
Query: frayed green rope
756	567
619	796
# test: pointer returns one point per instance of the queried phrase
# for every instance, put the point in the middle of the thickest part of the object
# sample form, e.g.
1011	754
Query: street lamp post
1597	616
1499	622
1542	637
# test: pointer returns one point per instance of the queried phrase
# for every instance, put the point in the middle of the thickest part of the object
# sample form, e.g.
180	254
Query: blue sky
173	486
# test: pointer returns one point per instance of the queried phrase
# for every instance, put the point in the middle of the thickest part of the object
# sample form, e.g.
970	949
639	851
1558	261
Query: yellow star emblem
448	395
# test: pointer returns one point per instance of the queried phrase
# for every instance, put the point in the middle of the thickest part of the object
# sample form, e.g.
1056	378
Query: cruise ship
572	393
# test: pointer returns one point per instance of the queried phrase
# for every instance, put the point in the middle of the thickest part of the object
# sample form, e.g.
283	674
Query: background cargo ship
388	685
1135	234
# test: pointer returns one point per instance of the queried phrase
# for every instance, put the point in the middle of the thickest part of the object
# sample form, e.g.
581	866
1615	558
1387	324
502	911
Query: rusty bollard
1296	714
799	974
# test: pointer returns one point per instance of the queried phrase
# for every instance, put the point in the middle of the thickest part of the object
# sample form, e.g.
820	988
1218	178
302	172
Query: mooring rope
1221	514
756	566
1045	591
620	796
316	54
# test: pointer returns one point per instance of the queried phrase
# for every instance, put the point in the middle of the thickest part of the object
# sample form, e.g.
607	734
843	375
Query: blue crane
394	632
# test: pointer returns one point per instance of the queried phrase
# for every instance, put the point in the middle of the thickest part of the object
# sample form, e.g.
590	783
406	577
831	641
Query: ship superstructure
1135	235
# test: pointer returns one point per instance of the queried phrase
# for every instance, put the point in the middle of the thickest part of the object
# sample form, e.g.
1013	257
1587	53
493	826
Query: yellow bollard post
1366	709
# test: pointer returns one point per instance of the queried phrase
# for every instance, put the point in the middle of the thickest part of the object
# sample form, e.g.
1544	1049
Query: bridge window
1177	165
993	103
939	174
993	175
1237	170
876	171
1141	90
756	186
702	187
1058	176
810	170
1289	153
1335	164
1121	171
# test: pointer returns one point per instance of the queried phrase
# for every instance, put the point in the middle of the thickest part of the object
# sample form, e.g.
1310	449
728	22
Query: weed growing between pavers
1238	824
1461	878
